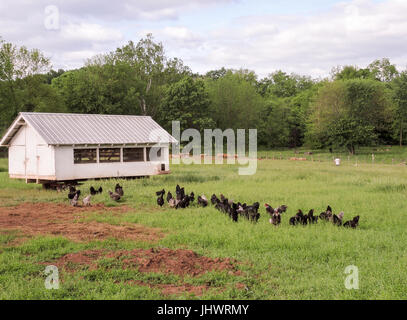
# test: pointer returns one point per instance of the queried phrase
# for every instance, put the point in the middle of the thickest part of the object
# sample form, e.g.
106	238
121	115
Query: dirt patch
179	262
64	220
71	261
174	289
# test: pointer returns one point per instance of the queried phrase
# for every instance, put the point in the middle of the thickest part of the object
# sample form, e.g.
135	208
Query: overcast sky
308	37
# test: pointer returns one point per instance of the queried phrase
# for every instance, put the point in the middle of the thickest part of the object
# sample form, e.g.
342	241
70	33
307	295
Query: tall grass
277	262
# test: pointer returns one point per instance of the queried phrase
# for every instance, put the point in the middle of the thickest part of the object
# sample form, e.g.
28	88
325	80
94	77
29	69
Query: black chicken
311	218
234	214
327	215
119	190
253	212
72	195
352	223
159	193
299	218
93	192
214	199
114	196
160	200
169	196
337	219
202	201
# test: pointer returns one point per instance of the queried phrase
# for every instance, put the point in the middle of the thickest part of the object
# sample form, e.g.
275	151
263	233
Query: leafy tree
216	74
280	84
52	74
151	69
351	72
383	70
350	132
400	98
287	103
274	130
235	102
349	113
23	85
187	101
100	89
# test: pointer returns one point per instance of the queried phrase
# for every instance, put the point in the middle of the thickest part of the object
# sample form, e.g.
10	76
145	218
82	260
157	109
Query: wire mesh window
153	154
133	154
109	155
84	156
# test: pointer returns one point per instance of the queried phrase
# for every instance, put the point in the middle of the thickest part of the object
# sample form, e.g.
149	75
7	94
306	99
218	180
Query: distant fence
373	158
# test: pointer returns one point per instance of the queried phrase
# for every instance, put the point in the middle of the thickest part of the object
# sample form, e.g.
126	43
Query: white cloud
89	32
351	33
354	32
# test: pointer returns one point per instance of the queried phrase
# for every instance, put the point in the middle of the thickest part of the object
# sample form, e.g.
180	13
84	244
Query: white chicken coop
57	147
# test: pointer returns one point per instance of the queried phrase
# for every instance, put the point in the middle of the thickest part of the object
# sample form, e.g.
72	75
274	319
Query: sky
307	37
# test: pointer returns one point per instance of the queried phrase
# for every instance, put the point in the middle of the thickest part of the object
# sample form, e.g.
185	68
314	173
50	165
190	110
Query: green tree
400	98
100	89
350	73
287	102
23	84
383	70
274	130
151	69
187	101
282	85
349	113
350	132
235	101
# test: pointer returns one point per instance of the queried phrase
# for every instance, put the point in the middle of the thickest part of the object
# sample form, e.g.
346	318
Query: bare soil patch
61	219
180	262
174	289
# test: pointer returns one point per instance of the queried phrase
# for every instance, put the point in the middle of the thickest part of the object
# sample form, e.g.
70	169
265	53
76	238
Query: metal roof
81	129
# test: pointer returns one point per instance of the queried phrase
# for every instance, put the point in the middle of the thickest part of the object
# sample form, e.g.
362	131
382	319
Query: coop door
44	158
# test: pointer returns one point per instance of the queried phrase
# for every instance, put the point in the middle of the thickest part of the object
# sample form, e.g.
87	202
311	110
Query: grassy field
393	155
282	262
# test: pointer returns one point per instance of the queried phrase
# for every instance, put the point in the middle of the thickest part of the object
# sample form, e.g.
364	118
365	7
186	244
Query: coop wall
30	157
66	169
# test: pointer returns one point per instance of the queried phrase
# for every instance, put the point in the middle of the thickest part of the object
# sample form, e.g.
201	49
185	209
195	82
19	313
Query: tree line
353	107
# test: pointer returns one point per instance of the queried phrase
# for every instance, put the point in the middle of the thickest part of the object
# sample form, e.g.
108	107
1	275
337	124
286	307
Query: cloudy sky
308	37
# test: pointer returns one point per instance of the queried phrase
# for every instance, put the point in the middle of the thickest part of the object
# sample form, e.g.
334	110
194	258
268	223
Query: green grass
277	263
393	155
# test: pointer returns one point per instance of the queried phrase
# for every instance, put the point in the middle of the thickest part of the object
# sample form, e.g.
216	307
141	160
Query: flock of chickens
74	195
234	210
251	212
